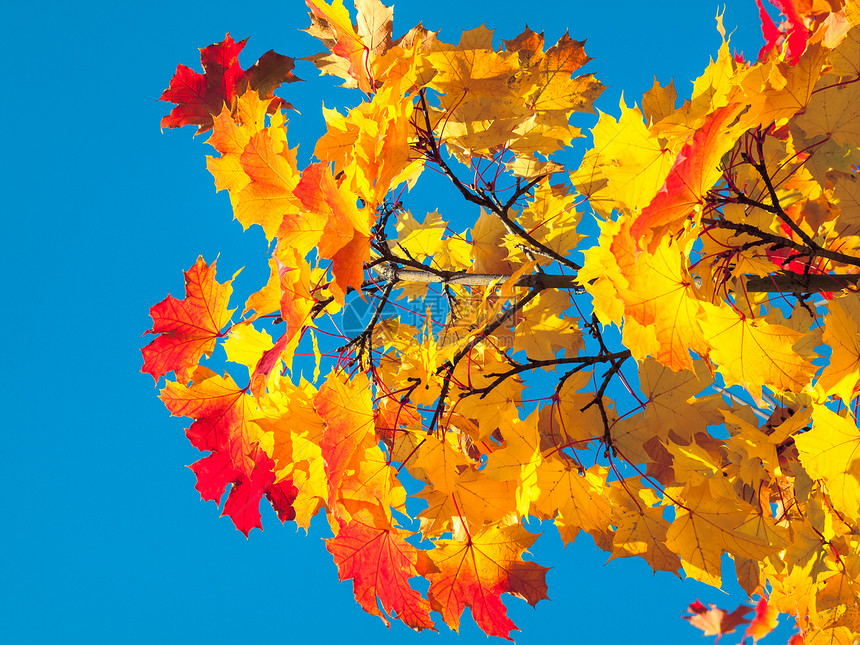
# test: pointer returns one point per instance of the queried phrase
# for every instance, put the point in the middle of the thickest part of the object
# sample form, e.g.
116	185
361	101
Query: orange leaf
331	24
764	622
347	410
345	233
476	572
188	328
273	174
380	563
695	171
658	295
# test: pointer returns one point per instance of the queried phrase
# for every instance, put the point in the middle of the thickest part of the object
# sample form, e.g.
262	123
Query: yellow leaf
246	345
475	499
641	527
576	501
273	172
420	239
841	375
658	102
832	113
831	451
627	165
754	353
707	528
230	134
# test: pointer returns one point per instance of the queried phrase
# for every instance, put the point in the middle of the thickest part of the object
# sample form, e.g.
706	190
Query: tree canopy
682	306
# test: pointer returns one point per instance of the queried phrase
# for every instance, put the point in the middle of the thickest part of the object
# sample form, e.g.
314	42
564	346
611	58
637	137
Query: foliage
720	293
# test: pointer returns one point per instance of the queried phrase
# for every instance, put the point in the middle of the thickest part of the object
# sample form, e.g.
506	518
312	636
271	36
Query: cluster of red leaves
186	330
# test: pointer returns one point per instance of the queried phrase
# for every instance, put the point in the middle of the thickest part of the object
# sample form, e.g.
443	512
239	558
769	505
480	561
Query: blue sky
105	538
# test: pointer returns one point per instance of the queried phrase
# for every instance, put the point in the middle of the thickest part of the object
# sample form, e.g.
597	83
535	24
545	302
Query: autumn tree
720	294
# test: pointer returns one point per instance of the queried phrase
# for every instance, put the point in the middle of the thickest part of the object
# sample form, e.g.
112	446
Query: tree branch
540	280
449	366
778	240
800	283
774	283
481	197
580	361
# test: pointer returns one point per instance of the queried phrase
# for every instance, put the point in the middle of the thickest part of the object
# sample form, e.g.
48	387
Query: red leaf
219	409
188	328
201	97
380	563
243	503
281	496
769	30
214	472
221	413
793	31
217	470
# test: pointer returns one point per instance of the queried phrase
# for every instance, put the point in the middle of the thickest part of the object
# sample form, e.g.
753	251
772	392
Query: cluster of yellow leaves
442	399
674	281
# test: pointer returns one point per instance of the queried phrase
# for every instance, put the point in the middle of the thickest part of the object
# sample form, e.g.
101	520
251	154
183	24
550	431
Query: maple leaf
475	498
716	622
295	430
710	525
732	335
627	165
841	376
371	144
380	562
200	97
363	53
339	230
641	528
576	501
764	621
769	30
795	32
659	102
246	345
188	328
331	24
831	451
696	169
232	131
658	296
272	173
475	572
223	423
346	410
296	304
549	91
